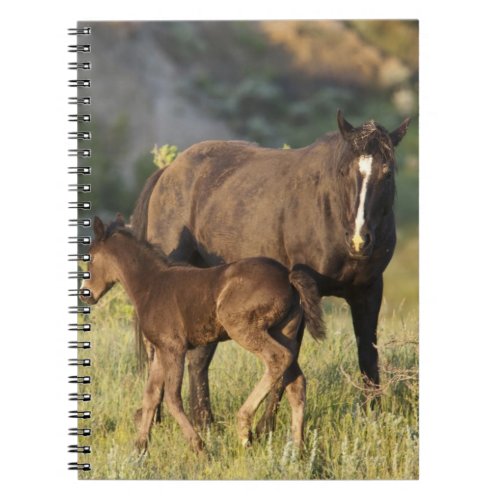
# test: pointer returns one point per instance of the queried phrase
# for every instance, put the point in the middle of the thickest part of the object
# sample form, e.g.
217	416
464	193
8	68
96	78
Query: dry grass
342	439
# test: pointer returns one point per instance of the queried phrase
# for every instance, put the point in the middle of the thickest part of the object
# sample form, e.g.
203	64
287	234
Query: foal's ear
120	221
99	229
344	126
398	134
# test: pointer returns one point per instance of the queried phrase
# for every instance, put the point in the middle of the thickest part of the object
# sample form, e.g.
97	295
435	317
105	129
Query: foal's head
102	267
368	181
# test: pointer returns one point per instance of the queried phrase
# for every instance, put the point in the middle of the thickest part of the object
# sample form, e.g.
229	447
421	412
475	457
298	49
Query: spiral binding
81	186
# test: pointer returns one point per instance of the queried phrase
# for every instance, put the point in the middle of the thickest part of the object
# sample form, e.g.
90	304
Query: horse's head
102	268
368	181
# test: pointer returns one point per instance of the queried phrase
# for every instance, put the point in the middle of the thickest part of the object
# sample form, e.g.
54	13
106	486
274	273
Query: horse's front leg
199	360
365	307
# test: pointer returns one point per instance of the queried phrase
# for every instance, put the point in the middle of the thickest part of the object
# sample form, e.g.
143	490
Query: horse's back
217	190
194	165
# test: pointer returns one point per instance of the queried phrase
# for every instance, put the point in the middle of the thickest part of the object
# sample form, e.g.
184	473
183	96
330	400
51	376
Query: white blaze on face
365	169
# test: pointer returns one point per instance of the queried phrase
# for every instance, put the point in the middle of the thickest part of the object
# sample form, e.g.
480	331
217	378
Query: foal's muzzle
87	296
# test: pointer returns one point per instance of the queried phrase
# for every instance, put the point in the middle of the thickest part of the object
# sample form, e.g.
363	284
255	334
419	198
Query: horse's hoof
141	446
199	447
201	453
263	428
247	440
202	418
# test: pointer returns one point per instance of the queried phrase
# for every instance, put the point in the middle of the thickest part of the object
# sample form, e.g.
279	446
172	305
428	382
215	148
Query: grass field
342	440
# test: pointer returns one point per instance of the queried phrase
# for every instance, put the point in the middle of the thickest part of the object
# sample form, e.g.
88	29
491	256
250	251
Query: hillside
270	82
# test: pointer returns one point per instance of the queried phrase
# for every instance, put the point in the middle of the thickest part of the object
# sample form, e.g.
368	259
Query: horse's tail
139	224
139	219
310	301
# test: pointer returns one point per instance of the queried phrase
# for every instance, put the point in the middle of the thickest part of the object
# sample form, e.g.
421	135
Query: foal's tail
310	301
139	223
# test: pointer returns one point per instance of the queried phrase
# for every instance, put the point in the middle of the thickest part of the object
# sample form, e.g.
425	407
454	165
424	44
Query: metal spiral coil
79	170
79	327
80	240
80	188
80	414
81	205
79	222
82	101
79	310
80	136
80	31
80	275
80	153
74	344
77	65
77	257
77	466
79	83
82	47
74	379
77	431
75	396
79	118
82	327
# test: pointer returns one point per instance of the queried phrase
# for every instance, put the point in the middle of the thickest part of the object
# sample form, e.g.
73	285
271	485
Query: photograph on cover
253	266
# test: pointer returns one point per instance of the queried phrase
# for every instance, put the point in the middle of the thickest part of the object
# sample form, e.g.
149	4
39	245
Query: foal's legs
199	360
267	422
276	359
173	367
295	384
150	352
151	399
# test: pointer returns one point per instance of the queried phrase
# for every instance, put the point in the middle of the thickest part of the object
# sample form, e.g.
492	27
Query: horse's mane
116	227
372	138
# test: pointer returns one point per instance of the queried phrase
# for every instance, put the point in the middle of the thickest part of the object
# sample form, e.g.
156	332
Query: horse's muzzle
360	246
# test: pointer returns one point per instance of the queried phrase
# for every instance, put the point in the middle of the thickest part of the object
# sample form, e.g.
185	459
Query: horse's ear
99	229
120	221
398	134
344	126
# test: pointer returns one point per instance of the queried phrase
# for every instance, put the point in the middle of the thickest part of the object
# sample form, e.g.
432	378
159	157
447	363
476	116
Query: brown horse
256	302
326	209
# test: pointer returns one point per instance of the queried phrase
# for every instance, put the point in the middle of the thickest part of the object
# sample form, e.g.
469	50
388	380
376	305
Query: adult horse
326	209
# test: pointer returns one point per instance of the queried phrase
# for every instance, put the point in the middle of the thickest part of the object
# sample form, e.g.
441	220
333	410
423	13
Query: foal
255	302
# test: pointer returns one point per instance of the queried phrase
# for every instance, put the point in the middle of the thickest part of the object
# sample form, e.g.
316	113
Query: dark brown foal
255	302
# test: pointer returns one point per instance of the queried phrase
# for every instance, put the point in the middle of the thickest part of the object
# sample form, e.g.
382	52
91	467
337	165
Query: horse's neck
138	270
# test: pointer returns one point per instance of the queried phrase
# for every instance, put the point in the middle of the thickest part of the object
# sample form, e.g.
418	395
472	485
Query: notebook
246	249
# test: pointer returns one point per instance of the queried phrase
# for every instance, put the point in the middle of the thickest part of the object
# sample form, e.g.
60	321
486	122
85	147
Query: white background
459	163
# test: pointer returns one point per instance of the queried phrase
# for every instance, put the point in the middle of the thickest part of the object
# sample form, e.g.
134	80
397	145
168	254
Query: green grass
342	440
